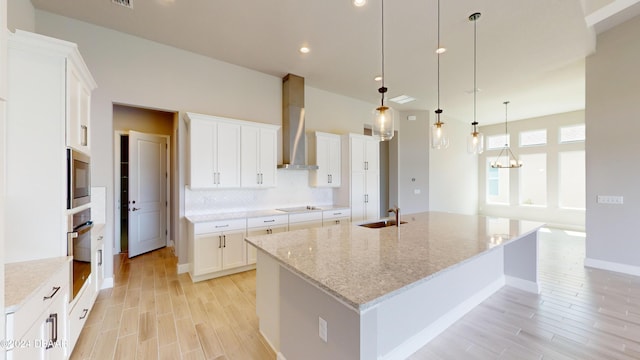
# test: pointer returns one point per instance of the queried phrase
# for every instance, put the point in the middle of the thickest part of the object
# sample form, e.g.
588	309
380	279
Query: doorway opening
145	158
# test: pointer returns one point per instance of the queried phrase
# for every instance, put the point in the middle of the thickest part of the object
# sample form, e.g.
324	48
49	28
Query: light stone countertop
253	214
362	266
23	279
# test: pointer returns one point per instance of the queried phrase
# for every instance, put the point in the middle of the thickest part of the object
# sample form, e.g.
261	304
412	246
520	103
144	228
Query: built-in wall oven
79	246
78	179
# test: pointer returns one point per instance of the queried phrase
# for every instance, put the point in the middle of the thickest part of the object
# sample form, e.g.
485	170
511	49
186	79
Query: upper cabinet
214	148
324	151
78	109
259	155
227	153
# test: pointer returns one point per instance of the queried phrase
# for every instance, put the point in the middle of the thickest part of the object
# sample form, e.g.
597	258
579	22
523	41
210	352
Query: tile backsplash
292	190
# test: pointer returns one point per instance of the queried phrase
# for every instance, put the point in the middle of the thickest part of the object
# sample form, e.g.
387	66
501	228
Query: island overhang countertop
362	267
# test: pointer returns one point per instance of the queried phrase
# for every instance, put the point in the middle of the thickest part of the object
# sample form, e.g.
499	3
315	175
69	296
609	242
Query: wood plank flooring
582	313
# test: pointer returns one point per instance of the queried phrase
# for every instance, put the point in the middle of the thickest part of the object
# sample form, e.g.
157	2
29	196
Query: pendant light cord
438	55
382	89
475	65
506	144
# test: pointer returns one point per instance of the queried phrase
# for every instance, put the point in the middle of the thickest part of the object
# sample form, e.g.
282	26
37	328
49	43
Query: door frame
116	192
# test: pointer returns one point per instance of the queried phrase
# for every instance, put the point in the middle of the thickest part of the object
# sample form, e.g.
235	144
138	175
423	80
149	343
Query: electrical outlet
322	328
416	191
610	199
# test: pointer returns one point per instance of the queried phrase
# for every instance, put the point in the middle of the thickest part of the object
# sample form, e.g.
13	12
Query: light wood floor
581	314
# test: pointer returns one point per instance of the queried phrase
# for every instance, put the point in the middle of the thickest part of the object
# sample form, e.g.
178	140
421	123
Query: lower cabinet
38	328
333	217
263	226
217	248
305	220
79	314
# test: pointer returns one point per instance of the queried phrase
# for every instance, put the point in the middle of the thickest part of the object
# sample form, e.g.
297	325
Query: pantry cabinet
361	170
324	151
259	155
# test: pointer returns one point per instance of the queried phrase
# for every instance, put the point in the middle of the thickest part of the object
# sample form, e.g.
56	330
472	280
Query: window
497	185
533	137
572	133
495	142
533	180
572	180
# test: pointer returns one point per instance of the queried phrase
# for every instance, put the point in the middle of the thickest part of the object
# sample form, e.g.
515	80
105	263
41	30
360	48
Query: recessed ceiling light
441	50
359	3
402	99
378	78
304	50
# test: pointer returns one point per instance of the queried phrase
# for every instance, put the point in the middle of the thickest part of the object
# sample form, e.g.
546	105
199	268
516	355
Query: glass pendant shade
439	139
383	123
475	141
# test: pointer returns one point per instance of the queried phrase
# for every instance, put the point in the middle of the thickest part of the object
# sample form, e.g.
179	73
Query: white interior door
147	193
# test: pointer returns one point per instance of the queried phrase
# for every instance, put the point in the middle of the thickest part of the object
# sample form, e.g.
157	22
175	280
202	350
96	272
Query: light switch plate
610	199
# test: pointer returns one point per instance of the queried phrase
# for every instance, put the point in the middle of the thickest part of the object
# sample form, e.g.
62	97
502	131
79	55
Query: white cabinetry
214	152
263	226
333	217
217	248
305	220
259	155
97	271
78	109
324	151
37	117
38	325
361	170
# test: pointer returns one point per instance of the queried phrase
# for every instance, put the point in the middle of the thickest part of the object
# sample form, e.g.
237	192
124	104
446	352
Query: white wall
551	214
612	149
453	173
22	15
3	98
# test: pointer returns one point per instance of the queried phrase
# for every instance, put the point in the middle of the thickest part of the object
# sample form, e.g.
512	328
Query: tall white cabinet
42	73
361	170
258	155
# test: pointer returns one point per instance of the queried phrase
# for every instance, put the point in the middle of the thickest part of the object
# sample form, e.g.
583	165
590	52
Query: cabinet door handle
54	291
100	257
366	198
84	313
337	221
261	178
53	319
219	241
224	240
366	165
222	226
84	135
270	221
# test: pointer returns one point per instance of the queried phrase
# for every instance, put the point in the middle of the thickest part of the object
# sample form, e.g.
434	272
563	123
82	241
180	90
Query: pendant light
512	161
383	115
475	142
439	139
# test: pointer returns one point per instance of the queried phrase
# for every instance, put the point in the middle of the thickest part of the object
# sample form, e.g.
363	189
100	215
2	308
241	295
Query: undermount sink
381	224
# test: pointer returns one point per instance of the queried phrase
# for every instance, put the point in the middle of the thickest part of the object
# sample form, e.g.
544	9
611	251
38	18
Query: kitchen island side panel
301	305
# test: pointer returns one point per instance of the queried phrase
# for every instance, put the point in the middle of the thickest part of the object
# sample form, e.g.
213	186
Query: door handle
224	240
135	209
219	241
53	319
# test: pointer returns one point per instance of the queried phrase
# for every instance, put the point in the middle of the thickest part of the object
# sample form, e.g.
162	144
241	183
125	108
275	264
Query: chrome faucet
396	210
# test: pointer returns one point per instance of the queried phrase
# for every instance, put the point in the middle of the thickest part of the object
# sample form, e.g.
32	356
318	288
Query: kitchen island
351	292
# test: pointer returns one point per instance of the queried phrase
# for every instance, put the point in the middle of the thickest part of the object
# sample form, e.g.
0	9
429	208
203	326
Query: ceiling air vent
125	3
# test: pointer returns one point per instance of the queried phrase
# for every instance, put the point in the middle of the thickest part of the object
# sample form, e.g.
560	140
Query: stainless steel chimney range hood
294	140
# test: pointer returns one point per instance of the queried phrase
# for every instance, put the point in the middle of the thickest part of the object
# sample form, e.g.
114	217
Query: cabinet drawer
336	214
78	316
218	226
306	216
267	221
22	320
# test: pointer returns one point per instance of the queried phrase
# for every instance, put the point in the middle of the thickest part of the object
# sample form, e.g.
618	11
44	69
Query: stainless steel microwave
78	179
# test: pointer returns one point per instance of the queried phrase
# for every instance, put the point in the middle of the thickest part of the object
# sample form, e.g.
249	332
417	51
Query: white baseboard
182	268
437	327
525	285
107	283
612	266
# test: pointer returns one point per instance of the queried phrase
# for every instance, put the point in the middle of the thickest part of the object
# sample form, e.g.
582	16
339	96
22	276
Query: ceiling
530	52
